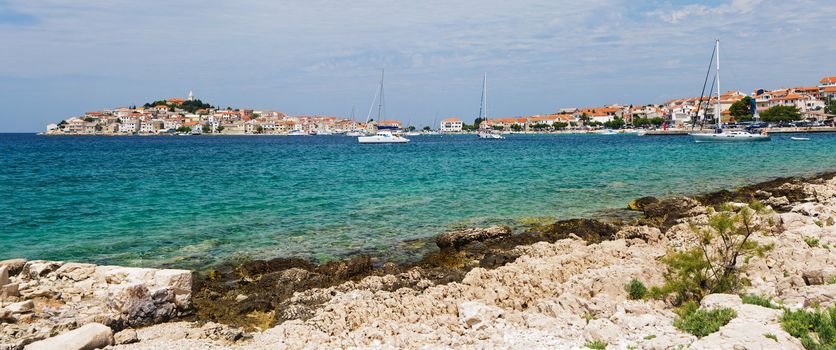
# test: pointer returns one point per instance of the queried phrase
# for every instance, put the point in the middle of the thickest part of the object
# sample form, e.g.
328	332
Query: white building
451	125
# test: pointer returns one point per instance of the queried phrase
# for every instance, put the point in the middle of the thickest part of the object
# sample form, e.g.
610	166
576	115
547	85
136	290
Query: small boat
298	133
412	133
490	135
800	138
383	136
355	133
323	133
607	132
642	133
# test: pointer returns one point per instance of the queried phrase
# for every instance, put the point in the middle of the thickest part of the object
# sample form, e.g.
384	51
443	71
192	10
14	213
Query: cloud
739	7
322	57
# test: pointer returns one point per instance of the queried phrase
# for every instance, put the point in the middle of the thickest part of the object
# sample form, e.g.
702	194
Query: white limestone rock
87	337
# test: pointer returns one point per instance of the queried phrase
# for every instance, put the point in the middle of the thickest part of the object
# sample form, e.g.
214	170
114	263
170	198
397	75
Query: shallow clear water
194	201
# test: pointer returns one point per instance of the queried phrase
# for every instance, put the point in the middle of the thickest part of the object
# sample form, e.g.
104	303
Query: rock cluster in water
41	299
560	285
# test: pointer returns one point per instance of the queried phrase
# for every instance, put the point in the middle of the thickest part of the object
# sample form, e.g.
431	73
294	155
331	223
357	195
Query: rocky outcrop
457	239
88	337
44	298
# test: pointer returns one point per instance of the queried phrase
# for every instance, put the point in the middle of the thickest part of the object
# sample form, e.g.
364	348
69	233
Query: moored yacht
486	134
721	135
383	136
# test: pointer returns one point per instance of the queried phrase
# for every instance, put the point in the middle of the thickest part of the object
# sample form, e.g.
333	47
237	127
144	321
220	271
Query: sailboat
483	114
721	135
382	136
355	132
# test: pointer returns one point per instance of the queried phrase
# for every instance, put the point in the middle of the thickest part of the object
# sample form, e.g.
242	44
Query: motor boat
355	133
383	136
298	133
490	135
800	138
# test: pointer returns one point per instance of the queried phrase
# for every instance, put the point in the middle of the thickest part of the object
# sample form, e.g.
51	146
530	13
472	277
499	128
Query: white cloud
320	56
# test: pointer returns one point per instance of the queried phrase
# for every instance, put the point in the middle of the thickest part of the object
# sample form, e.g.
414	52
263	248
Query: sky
62	58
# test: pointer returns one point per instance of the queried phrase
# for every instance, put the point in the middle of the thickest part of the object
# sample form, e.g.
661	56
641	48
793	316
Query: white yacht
483	114
356	133
720	135
383	136
490	135
298	133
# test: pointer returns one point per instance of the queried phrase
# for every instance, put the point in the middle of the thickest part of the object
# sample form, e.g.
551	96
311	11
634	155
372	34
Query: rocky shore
556	285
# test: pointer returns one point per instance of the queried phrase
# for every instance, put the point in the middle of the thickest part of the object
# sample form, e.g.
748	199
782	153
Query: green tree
584	118
615	123
540	126
830	105
477	122
741	110
259	129
498	127
427	128
183	129
220	128
560	125
207	129
781	113
516	127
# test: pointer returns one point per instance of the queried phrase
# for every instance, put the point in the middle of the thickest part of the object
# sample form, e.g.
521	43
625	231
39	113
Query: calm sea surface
195	201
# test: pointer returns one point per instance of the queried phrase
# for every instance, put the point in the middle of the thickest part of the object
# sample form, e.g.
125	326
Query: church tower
191	96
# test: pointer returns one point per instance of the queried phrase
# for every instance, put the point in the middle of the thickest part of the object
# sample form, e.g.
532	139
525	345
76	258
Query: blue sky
62	58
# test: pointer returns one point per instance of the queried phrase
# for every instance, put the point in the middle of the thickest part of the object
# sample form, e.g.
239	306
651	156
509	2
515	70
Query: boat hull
378	139
491	136
723	137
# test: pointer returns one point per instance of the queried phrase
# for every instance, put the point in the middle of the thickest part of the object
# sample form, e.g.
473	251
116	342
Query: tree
220	128
584	118
540	126
615	123
516	127
89	119
477	122
781	113
741	109
259	129
183	129
830	105
207	129
560	125
498	127
427	128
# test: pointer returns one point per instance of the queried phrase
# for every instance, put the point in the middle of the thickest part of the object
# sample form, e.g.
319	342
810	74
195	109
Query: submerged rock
641	203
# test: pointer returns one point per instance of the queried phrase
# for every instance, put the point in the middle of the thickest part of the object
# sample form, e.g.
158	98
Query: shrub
771	336
811	242
759	300
713	266
596	344
636	289
702	322
816	329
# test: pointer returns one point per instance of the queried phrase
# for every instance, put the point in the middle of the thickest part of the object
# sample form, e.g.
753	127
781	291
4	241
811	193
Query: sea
198	201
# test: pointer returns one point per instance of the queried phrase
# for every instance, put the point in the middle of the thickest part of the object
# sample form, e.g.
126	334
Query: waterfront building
451	125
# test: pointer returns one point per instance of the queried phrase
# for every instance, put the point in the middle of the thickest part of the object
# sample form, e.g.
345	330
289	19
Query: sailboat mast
485	93
380	105
717	113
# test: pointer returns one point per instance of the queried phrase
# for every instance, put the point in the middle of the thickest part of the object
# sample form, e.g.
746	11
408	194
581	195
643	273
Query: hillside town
190	116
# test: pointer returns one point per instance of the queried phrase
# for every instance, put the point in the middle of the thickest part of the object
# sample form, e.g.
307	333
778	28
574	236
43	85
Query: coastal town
813	105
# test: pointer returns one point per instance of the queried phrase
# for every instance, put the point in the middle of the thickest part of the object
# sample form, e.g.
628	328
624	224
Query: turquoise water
194	201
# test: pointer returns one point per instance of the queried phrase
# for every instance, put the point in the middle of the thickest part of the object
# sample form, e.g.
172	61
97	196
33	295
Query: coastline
260	294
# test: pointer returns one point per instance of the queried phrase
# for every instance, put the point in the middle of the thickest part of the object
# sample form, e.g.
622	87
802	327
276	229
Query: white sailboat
721	135
483	114
382	136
